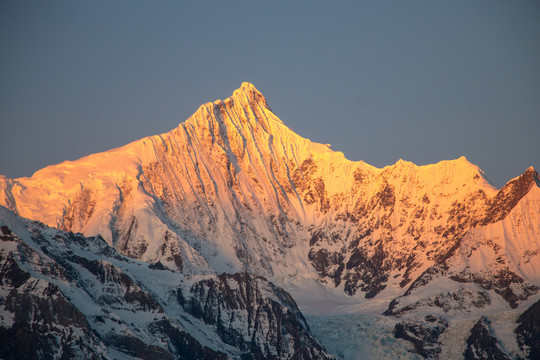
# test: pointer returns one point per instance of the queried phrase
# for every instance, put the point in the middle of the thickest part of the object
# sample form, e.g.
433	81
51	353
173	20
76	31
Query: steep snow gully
212	241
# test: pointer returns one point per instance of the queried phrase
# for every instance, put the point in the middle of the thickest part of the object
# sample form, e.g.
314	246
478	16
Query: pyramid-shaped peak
248	87
246	97
249	92
531	172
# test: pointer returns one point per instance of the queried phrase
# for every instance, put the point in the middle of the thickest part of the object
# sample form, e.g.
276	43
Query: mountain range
229	235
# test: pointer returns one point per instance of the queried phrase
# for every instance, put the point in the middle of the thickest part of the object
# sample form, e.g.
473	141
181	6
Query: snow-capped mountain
234	190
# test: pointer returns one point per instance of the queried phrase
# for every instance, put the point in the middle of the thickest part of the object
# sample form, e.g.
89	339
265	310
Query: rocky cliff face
482	343
528	331
65	296
232	189
251	314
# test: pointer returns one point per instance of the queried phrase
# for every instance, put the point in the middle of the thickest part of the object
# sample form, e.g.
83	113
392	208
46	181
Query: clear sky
379	80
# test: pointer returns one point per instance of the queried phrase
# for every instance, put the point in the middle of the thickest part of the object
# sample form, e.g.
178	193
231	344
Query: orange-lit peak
247	93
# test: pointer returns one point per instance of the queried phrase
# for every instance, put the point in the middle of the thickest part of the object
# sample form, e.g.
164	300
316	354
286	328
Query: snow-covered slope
233	189
65	296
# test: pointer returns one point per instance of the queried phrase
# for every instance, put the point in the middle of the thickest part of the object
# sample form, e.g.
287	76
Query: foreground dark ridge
67	296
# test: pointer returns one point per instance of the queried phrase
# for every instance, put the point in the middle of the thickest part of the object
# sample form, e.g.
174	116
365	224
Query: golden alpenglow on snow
211	240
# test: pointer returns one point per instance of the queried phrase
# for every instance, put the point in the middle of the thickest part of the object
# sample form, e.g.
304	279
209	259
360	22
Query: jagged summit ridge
249	91
246	97
234	189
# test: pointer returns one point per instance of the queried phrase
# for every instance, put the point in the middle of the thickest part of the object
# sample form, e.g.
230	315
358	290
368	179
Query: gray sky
380	80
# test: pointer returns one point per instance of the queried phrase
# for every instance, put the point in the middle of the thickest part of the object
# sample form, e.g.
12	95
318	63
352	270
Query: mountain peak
248	87
532	171
248	92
